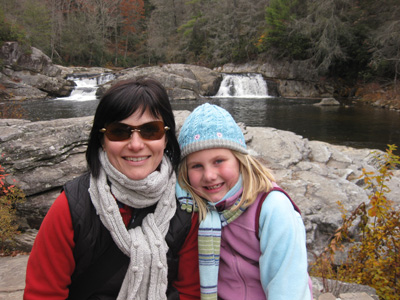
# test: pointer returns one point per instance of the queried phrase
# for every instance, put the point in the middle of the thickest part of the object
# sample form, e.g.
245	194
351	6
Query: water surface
355	126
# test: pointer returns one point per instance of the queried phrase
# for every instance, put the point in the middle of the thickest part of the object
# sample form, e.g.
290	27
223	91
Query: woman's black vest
100	266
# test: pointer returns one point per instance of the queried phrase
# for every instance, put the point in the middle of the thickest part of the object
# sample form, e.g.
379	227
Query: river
355	126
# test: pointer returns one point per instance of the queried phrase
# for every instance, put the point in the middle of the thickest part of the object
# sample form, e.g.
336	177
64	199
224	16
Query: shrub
10	196
373	257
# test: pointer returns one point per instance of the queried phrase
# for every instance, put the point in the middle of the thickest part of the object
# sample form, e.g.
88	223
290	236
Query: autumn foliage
10	196
373	258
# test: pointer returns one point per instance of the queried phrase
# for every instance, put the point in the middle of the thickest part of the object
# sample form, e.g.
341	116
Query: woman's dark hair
122	100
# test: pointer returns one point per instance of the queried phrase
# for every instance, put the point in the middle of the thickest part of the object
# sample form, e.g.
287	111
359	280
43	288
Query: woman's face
136	157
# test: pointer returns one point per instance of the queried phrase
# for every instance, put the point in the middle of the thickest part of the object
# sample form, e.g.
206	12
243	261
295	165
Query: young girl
249	248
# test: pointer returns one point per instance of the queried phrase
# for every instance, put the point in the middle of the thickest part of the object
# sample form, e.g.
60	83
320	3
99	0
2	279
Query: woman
115	232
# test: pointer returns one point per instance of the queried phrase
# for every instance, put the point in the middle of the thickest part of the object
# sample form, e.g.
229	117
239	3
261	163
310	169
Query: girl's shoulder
276	197
275	202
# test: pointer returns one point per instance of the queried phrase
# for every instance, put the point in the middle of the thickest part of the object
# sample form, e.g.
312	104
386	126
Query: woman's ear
166	141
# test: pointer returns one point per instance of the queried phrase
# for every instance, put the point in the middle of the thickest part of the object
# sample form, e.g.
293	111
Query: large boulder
181	81
42	156
29	73
293	79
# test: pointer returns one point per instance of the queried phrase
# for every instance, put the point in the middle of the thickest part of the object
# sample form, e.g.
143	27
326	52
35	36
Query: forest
351	40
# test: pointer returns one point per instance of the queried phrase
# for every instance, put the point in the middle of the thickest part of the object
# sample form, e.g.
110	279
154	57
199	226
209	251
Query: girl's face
136	157
212	172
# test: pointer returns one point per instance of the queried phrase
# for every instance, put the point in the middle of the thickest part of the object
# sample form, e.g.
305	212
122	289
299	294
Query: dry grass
386	96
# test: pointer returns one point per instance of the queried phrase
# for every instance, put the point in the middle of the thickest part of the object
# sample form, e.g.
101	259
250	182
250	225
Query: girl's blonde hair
256	179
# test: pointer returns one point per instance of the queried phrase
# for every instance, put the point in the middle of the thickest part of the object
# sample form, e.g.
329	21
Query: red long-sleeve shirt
51	262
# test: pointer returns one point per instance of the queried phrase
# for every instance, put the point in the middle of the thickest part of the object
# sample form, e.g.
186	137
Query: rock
328	102
30	73
12	277
16	90
355	296
327	296
185	82
339	289
42	156
34	149
13	272
293	79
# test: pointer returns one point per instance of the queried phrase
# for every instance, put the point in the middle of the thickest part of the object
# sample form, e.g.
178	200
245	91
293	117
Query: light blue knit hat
210	126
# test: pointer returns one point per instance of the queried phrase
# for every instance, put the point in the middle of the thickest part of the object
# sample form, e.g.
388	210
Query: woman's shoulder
182	217
81	181
180	226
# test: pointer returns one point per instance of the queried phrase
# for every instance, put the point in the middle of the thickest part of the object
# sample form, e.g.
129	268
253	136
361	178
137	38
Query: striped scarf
209	237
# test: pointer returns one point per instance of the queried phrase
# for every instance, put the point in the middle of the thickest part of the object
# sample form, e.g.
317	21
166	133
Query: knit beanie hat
210	126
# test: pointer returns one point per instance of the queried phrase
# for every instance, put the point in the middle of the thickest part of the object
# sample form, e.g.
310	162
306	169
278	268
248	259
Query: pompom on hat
210	126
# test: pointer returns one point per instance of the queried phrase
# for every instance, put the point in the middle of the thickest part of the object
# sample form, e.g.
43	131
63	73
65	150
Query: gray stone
29	73
294	79
328	102
12	277
13	273
340	288
42	156
355	296
327	296
182	82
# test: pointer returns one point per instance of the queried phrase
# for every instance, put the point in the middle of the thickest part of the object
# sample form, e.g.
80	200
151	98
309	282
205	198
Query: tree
279	38
9	32
216	32
36	20
329	31
385	37
164	42
132	12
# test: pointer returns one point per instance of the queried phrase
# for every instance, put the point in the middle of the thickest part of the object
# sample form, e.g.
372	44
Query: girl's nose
135	142
210	174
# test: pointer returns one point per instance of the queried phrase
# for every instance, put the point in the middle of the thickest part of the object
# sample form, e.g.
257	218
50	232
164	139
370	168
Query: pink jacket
239	260
273	266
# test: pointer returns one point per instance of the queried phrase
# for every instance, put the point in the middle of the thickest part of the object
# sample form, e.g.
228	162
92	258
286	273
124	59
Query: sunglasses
149	131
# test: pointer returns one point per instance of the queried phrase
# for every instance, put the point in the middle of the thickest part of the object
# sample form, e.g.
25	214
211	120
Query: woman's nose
135	141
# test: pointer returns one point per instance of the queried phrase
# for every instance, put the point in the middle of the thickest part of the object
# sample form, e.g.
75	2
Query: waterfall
248	85
86	86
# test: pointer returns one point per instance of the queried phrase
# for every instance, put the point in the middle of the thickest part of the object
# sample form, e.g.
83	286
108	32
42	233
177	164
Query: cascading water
86	86
249	85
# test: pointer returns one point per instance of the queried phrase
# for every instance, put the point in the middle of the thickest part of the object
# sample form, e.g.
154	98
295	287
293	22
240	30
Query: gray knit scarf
146	277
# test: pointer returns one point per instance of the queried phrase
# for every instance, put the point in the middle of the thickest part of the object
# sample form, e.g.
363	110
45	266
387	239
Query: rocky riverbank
42	156
31	74
12	283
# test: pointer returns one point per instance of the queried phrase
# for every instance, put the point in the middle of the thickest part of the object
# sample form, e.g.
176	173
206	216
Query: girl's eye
195	166
218	161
